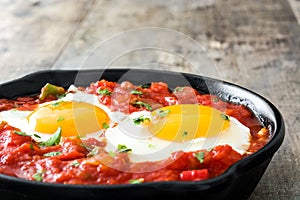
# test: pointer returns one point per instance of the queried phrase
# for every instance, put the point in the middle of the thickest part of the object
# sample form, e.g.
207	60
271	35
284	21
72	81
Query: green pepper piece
51	90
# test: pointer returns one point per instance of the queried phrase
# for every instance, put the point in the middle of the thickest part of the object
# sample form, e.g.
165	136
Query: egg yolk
75	118
186	122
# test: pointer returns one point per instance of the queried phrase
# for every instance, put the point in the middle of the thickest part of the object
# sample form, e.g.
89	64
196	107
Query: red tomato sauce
78	161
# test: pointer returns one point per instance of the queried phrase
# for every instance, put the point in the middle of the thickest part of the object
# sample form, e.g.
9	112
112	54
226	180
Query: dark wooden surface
254	43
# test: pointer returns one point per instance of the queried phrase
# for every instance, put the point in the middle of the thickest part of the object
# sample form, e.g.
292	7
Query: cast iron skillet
238	182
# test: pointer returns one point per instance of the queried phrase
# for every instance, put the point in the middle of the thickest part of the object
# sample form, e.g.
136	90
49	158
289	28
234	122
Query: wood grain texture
295	6
32	33
255	44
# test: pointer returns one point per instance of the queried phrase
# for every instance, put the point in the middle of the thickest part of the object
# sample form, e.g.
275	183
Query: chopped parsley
31	147
36	135
178	89
136	92
141	120
104	92
55	104
60	118
163	113
225	117
54	140
85	146
105	125
185	133
200	156
120	149
123	149
136	181
112	154
93	152
53	153
147	85
143	104
38	176
75	163
20	133
151	146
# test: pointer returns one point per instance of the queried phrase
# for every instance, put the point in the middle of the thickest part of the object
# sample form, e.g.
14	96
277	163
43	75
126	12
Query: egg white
146	147
18	119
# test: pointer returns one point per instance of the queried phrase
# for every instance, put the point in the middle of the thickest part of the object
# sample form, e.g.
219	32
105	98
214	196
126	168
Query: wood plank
34	32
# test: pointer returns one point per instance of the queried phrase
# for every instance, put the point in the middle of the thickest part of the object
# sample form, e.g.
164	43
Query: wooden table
255	44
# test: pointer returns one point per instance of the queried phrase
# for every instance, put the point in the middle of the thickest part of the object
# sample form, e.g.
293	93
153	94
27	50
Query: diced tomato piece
194	175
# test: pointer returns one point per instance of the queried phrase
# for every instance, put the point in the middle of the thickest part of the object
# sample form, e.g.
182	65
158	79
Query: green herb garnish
225	117
54	140
75	163
112	154
147	85
105	125
85	146
38	176
104	92
36	135
200	156
31	147
93	152
178	89
122	148
136	92
136	181
141	120
53	153
163	113
60	118
20	133
143	104
55	104
150	146
185	133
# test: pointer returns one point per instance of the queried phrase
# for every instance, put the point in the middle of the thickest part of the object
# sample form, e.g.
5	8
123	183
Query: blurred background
255	44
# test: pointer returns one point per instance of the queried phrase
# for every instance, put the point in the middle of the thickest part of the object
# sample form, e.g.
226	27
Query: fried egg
77	114
174	128
150	136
